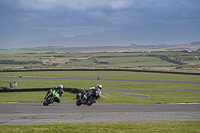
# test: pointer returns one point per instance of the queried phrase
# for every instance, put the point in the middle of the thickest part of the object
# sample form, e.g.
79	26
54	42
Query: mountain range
155	33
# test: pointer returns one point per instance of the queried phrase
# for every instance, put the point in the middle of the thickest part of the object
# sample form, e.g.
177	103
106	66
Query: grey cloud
44	13
78	17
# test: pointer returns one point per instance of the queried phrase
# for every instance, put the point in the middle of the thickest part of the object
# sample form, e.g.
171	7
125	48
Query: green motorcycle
50	98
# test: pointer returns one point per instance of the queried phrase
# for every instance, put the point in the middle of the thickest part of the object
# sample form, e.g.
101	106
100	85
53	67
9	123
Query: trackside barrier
72	90
188	73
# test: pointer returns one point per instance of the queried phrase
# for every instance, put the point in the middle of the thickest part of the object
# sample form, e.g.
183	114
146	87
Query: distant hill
157	33
14	37
149	34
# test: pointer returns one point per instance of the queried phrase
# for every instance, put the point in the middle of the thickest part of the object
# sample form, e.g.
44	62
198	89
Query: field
125	48
131	60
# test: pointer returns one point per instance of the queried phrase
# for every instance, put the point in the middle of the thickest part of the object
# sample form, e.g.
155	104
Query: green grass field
107	75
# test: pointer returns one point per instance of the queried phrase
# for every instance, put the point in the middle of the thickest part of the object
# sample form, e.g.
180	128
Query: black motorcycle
92	96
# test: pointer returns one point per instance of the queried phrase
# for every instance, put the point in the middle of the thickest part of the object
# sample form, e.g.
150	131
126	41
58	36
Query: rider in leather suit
86	94
58	90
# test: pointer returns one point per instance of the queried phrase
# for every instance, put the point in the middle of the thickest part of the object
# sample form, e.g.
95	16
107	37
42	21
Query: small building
13	85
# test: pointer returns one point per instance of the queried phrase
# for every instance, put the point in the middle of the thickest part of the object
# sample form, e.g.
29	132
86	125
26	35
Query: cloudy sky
77	17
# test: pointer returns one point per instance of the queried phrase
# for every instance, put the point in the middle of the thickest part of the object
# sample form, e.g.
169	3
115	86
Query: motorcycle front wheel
45	103
78	102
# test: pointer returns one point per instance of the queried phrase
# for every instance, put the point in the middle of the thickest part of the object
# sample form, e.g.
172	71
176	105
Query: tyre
45	103
78	102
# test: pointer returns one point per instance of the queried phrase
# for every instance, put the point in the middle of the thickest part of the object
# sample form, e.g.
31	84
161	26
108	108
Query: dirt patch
133	94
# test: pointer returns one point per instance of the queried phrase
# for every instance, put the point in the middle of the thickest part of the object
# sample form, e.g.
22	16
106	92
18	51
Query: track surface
36	113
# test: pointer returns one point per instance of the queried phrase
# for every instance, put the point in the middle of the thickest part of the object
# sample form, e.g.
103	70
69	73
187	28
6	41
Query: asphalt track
36	113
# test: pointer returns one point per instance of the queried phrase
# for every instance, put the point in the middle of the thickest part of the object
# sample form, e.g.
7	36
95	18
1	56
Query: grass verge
109	97
164	127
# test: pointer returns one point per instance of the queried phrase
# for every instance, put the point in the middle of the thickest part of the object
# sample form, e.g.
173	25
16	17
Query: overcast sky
76	17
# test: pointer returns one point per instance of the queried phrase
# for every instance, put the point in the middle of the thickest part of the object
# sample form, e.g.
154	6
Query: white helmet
60	86
99	86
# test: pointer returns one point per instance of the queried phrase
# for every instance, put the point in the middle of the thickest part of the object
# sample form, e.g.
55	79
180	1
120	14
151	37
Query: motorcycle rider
86	93
59	90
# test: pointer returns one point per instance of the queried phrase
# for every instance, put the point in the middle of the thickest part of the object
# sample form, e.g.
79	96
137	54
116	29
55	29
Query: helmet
99	86
60	86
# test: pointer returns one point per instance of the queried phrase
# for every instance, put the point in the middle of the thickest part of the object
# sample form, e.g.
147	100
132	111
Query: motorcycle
50	98
92	96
